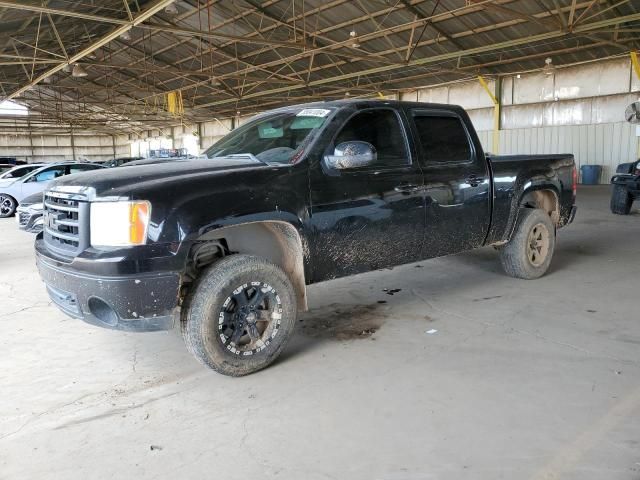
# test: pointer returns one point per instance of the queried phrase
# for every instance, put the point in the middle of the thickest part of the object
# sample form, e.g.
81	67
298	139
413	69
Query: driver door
370	217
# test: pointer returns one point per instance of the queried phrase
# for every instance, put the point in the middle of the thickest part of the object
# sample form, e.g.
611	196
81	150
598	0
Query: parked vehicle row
21	186
13	190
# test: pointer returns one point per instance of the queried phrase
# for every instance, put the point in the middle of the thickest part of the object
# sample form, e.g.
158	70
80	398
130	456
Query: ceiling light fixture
66	68
78	71
171	9
126	35
549	68
354	39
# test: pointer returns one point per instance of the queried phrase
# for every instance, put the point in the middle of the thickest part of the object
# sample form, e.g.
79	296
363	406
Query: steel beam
148	26
154	8
437	58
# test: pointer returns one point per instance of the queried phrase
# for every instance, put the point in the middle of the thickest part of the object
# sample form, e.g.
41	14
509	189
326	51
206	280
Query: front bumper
29	220
134	302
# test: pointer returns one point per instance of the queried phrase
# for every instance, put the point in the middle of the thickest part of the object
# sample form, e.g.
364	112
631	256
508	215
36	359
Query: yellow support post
635	63
496	114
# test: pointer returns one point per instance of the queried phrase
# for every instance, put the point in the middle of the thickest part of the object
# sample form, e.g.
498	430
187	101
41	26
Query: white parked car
12	193
8	176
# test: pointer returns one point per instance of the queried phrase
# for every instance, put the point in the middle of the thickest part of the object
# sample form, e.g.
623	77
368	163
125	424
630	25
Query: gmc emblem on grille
51	220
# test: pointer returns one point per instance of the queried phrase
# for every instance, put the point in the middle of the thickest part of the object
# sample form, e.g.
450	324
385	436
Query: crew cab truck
225	246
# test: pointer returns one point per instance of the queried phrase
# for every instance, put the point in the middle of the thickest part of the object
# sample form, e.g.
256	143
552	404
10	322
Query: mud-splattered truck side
224	247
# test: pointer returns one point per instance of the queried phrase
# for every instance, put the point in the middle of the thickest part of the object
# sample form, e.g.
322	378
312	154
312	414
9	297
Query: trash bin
590	174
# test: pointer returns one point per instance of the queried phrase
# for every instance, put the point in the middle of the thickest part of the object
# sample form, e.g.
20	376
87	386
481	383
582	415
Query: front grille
23	218
65	222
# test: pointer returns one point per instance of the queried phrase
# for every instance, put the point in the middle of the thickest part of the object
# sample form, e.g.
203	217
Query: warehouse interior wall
577	109
35	148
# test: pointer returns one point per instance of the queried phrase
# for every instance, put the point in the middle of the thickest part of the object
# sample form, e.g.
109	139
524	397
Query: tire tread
207	291
513	255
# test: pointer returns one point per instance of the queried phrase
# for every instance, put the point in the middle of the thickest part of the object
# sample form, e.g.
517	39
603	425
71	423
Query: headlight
36	206
119	224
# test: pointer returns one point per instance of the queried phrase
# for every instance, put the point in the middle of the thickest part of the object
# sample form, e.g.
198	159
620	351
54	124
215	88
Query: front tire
528	254
621	201
239	315
8	205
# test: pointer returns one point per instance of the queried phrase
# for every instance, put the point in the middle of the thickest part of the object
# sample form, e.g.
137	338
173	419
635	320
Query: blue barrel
591	174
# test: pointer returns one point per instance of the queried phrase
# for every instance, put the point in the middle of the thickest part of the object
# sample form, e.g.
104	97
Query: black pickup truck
225	246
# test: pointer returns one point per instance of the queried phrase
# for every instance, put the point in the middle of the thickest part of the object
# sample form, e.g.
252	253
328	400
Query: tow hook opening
103	311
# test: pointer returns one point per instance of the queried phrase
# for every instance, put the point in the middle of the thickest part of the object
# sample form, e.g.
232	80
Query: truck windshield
279	138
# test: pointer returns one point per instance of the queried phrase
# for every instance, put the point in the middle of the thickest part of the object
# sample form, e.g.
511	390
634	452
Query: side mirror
352	155
632	113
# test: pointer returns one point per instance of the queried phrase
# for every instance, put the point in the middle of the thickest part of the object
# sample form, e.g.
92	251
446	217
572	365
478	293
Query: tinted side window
443	139
20	172
383	130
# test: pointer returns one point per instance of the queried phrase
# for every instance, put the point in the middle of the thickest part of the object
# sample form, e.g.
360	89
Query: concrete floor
518	379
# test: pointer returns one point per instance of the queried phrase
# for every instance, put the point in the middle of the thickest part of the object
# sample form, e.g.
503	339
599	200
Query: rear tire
8	205
530	250
239	315
621	201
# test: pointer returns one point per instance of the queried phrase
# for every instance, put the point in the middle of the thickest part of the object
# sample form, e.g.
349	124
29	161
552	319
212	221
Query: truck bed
512	174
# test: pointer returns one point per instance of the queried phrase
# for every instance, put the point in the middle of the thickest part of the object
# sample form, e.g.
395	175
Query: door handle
474	181
407	188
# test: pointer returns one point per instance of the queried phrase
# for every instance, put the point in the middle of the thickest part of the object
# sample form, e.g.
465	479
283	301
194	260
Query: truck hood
119	182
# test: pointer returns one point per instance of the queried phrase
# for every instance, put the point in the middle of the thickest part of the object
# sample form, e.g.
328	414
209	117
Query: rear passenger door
457	183
367	217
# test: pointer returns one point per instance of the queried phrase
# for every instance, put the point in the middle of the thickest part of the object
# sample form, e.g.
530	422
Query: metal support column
33	151
636	67
495	98
73	143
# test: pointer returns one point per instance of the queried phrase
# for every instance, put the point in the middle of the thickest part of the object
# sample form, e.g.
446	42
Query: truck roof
372	102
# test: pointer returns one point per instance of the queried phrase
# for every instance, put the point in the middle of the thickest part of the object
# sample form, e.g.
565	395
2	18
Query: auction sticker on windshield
314	112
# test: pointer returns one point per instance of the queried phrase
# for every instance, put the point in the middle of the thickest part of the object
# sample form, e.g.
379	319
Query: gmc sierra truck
225	246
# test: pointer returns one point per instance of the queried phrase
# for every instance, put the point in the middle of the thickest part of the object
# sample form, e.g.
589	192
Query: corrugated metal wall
52	148
577	110
606	144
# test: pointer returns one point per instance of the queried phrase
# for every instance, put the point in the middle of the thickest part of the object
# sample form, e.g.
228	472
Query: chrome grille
65	218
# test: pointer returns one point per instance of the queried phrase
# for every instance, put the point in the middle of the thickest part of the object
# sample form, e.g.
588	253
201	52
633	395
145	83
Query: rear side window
443	138
382	129
20	172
